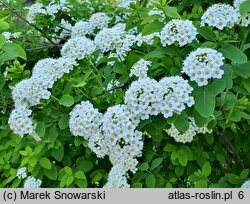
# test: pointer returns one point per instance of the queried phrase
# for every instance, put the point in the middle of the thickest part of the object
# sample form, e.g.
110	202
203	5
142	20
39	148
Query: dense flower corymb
203	64
220	16
32	182
181	31
244	20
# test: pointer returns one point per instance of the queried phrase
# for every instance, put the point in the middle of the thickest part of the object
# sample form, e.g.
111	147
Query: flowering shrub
121	94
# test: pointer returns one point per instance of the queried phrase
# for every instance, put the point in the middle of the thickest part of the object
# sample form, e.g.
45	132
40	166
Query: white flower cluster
245	19
21	173
112	84
147	97
20	121
189	134
220	16
32	182
115	38
78	48
44	75
203	64
117	178
246	184
84	120
175	95
9	35
29	92
34	10
65	27
147	39
140	69
51	9
81	29
113	134
181	31
99	21
157	12
120	136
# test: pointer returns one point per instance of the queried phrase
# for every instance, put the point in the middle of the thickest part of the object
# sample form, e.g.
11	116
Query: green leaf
205	102
233	53
58	153
63	123
171	11
64	180
179	170
169	148
245	7
143	167
242	69
2	81
246	83
12	51
68	170
207	33
66	100
206	169
201	184
182	122
217	87
32	162
4	26
40	129
45	163
182	157
51	173
155	163
86	165
150	28
53	133
150	181
80	175
137	185
2	40
244	173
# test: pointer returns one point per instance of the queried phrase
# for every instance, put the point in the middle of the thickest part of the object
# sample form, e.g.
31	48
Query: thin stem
25	20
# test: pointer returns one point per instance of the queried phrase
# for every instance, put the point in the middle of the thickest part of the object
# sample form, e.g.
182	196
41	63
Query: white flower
35	9
140	69
117	177
7	36
78	48
245	19
21	173
203	64
189	134
181	31
81	29
84	120
220	16
147	39
99	21
20	121
32	182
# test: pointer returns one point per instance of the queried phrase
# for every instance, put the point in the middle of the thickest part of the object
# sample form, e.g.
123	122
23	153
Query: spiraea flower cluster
203	64
99	21
143	96
175	96
181	31
21	173
187	136
85	120
140	69
81	29
220	16
117	177
78	48
20	121
244	20
147	97
34	10
32	182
